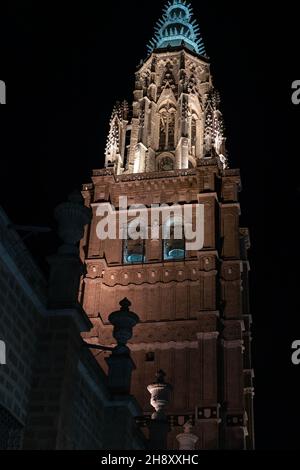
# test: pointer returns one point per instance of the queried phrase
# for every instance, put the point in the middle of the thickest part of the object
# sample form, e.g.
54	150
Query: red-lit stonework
194	312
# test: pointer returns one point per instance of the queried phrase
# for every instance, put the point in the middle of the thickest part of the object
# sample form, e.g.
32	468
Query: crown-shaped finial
177	27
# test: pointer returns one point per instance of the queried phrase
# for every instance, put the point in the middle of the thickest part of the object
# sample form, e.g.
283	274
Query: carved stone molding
208	336
178	345
233	344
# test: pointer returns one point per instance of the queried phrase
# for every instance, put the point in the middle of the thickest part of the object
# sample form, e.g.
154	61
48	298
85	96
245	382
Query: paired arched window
134	245
174	240
167	128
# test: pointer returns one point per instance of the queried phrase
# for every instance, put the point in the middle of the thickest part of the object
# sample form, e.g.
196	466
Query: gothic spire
214	132
114	140
177	27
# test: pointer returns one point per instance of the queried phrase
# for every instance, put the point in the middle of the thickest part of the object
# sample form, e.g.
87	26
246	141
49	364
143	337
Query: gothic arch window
163	127
134	245
194	131
167	127
174	240
127	146
171	130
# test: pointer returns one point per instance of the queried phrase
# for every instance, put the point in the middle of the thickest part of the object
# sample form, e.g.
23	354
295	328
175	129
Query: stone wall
21	299
194	312
53	393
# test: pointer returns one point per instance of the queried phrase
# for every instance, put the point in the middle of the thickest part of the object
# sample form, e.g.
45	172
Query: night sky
66	66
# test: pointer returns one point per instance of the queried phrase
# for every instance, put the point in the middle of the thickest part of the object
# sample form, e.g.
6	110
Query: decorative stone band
169	174
163	346
150	273
205	162
236	343
96	280
249	391
175	421
208	336
174	344
232	172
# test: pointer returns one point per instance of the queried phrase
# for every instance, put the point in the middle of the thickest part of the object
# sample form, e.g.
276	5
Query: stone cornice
207	195
208	336
160	345
164	346
178	264
203	163
233	172
148	274
169	52
236	343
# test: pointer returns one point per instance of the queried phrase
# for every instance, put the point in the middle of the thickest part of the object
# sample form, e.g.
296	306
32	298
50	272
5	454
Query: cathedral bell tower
168	148
175	118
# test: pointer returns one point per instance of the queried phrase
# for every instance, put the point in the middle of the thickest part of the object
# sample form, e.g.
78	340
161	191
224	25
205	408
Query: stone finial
158	425
120	364
125	304
123	321
66	266
72	216
187	440
160	395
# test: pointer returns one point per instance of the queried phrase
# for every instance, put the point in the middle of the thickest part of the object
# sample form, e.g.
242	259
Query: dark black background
66	64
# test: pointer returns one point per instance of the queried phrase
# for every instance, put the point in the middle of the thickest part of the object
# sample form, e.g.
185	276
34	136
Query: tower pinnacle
177	27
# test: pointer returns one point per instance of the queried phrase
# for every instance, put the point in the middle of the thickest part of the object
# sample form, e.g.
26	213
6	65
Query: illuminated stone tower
169	147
